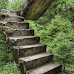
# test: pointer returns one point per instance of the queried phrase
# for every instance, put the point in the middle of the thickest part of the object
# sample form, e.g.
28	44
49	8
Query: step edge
22	37
20	59
16	47
59	65
17	22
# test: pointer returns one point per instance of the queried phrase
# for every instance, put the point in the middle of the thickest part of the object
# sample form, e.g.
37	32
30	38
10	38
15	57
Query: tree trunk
33	9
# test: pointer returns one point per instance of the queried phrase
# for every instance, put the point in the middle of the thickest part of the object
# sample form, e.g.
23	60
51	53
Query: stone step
30	62
50	68
18	25
10	12
23	40
8	18
20	32
28	53
27	50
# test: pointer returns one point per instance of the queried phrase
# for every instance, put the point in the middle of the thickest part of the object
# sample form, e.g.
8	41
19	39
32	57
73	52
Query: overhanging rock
33	9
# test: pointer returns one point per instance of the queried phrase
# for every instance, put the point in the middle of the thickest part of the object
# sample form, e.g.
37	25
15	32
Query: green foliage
4	56
6	67
11	4
64	8
1	14
55	29
10	68
15	4
3	4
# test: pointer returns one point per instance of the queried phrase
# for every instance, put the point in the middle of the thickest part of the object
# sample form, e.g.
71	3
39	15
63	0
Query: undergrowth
56	30
7	65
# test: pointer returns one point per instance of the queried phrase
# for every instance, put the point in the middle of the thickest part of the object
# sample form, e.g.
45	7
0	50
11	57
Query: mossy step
34	61
18	25
50	68
20	32
11	12
23	40
27	50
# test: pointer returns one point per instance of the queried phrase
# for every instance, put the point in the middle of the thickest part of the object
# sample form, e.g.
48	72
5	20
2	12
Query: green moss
1	24
1	14
8	28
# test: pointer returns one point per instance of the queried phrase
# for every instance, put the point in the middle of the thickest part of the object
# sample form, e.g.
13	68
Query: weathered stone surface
10	12
6	16
34	61
23	40
11	18
20	32
50	68
33	9
18	25
27	50
2	16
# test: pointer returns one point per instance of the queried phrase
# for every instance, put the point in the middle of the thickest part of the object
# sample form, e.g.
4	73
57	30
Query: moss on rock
2	15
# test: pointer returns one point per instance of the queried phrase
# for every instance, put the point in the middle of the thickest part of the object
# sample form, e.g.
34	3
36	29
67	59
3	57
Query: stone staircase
27	50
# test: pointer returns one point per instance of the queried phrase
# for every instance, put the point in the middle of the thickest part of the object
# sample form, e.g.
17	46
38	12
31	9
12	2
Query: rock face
33	9
26	48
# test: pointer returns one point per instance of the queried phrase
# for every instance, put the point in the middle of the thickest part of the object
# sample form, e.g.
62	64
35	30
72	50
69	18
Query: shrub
15	4
6	60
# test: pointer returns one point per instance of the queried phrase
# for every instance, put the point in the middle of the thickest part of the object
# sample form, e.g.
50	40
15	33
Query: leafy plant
15	4
57	34
6	59
10	68
3	4
55	28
